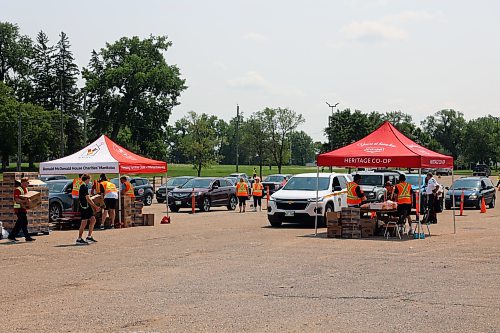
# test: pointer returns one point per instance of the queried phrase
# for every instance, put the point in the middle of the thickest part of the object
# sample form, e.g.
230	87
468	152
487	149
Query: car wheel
233	202
148	200
205	207
173	208
160	200
274	221
55	211
492	203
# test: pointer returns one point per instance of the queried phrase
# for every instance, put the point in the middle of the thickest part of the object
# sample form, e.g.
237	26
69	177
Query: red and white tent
102	156
385	147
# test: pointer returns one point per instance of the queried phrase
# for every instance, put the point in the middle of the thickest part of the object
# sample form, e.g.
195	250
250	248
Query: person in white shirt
431	190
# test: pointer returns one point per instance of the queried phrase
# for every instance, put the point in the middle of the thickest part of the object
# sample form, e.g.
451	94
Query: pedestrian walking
257	190
22	218
87	211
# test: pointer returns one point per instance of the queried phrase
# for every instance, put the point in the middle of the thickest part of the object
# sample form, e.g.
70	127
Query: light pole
330	144
237	135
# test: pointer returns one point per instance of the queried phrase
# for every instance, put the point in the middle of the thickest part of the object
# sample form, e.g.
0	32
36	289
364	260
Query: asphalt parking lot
226	271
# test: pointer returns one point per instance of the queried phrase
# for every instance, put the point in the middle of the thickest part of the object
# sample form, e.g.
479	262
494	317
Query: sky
414	56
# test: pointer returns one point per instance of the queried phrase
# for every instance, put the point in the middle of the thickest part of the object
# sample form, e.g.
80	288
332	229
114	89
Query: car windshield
55	187
176	181
274	179
198	183
480	167
307	184
371	180
465	184
413	180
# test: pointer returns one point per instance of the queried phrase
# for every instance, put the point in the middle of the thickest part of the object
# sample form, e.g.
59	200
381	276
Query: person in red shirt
22	219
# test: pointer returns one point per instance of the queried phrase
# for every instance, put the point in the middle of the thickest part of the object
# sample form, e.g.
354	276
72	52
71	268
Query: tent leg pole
453	204
119	203
166	190
316	213
419	225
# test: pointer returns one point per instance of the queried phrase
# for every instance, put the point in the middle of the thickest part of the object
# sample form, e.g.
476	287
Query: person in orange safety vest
257	191
75	192
242	193
355	195
404	194
127	188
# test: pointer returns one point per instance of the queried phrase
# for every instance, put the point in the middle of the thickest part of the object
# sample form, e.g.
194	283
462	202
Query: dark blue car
475	189
60	199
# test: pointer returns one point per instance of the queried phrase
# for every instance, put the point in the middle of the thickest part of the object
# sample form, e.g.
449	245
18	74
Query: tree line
128	93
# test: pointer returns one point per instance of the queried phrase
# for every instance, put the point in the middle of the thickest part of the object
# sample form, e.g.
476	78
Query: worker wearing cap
355	195
127	189
389	189
22	218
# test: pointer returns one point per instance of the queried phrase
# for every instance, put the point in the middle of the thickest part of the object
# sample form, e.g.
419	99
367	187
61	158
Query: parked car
296	201
245	177
412	179
209	192
274	183
443	172
373	184
143	189
161	192
475	189
481	170
60	199
233	180
45	178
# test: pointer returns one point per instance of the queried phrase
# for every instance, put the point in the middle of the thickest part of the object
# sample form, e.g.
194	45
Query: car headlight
314	199
370	195
170	194
271	199
198	193
473	196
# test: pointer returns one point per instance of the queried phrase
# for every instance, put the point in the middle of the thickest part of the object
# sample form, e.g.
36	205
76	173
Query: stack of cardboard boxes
350	222
38	206
333	226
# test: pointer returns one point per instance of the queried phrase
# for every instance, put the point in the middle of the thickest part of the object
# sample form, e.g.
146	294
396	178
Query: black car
143	189
161	192
274	183
45	178
475	189
481	170
60	198
208	192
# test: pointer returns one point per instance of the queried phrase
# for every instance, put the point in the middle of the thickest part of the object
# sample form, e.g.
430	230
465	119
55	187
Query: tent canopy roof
103	156
385	147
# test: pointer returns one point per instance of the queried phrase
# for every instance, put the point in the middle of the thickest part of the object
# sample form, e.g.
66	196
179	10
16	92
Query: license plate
289	213
178	203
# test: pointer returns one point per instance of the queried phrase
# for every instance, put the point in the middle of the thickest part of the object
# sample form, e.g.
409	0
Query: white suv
296	201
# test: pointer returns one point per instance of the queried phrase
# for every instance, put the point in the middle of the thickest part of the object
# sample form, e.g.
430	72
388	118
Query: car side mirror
215	187
446	188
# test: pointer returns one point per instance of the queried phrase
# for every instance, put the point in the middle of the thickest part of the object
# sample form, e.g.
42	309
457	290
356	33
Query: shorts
110	203
402	208
86	213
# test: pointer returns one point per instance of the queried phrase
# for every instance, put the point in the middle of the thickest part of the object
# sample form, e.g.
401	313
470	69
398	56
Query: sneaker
29	239
91	239
12	238
81	241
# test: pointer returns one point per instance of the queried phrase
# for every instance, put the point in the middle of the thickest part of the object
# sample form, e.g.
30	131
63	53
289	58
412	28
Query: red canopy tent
386	147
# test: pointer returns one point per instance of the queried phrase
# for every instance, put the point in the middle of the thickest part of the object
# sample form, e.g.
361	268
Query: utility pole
19	131
62	108
237	135
330	141
291	132
85	118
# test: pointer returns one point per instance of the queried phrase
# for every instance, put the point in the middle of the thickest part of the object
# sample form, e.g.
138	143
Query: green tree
201	140
44	73
279	123
255	139
8	123
482	133
303	148
446	127
131	85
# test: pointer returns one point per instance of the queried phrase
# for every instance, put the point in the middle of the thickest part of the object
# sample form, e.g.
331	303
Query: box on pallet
149	219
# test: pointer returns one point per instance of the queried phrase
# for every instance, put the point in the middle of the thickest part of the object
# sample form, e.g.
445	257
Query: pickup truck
296	201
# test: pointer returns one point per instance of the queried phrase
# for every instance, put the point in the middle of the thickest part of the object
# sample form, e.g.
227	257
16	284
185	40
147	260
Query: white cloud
255	37
389	28
252	80
372	31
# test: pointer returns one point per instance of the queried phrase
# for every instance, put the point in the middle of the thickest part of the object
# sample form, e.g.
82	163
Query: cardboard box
34	197
149	219
332	216
98	200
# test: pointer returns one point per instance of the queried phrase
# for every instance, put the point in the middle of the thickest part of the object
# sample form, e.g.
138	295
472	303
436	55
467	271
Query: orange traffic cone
165	220
483	205
373	215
